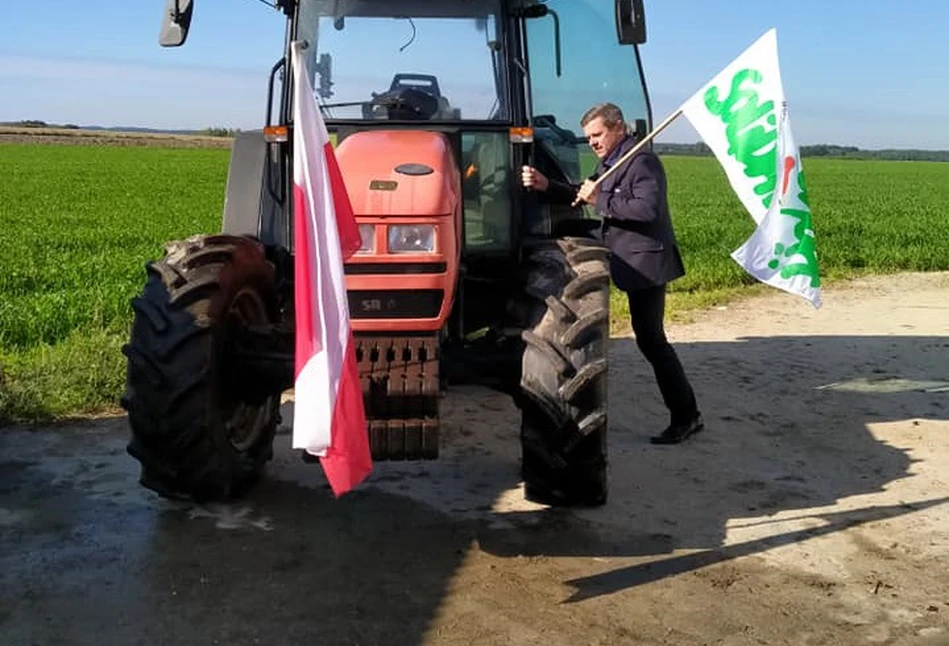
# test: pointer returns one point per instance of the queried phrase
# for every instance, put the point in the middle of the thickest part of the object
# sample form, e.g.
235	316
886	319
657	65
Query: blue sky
856	72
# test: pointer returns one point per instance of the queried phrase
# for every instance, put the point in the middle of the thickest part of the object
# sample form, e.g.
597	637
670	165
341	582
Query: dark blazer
636	223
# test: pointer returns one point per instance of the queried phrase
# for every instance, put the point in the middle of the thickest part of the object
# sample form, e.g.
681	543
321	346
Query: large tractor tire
564	373
197	428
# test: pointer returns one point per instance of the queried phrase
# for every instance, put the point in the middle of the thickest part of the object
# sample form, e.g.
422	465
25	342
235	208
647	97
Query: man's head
604	127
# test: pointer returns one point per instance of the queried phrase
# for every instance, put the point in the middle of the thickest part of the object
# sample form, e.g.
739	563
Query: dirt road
813	511
80	137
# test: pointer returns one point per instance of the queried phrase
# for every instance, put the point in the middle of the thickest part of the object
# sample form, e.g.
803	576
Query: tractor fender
245	185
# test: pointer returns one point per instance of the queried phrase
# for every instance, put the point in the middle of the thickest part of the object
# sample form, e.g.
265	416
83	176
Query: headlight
411	238
368	234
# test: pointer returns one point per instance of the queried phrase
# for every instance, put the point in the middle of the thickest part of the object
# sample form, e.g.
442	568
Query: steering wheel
403	104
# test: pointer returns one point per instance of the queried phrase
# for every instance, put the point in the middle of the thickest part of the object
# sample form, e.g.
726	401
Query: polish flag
329	419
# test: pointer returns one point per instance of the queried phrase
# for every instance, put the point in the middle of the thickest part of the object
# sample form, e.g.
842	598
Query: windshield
369	62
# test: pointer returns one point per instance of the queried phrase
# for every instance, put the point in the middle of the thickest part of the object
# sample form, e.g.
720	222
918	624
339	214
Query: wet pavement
89	557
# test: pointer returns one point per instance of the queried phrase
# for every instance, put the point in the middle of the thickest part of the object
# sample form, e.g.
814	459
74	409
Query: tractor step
401	391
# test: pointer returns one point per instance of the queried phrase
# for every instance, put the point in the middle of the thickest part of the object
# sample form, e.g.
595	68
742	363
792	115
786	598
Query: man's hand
588	192
533	178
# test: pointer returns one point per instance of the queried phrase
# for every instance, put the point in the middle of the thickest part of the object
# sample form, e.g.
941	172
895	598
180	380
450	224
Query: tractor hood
402	173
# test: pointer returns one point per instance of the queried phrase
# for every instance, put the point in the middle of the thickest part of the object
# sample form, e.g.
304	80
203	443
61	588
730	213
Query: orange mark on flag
788	167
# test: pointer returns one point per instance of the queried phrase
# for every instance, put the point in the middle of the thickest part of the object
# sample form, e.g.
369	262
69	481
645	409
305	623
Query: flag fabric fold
329	418
742	116
782	251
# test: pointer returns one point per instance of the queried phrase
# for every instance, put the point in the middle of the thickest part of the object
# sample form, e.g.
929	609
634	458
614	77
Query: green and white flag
742	116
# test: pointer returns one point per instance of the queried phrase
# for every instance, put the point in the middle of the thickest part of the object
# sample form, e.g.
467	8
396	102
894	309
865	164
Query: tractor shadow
90	557
795	428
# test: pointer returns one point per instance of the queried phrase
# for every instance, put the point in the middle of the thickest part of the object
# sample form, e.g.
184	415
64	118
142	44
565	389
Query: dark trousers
647	308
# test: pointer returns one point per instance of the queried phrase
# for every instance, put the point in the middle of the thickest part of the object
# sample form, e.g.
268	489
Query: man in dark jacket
638	230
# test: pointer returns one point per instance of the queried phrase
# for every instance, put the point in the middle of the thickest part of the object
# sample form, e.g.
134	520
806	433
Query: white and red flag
329	419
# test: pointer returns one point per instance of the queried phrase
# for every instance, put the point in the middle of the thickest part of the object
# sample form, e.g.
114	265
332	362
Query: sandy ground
814	510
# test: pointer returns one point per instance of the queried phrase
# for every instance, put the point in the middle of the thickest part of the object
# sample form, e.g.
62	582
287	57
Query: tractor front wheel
564	373
197	428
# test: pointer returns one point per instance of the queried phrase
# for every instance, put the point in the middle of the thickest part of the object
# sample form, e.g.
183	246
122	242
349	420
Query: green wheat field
77	224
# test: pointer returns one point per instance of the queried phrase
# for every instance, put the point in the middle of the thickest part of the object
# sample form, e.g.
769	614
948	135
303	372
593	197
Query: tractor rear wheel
197	428
564	373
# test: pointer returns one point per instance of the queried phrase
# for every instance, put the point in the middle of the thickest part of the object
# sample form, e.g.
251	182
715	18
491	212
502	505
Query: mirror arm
270	87
539	11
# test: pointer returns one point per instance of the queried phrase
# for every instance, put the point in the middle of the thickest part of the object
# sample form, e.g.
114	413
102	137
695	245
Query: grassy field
869	217
77	224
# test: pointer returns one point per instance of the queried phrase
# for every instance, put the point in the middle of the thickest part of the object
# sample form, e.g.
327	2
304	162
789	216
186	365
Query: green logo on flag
804	243
747	136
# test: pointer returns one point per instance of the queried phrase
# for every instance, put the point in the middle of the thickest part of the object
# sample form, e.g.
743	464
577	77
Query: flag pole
635	149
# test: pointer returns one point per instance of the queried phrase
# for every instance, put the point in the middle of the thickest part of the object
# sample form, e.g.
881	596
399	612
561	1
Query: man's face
602	139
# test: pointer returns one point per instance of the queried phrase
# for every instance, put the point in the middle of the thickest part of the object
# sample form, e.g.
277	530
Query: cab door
593	67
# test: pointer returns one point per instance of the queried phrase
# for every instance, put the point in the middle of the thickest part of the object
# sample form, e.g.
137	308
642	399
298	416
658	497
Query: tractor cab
440	67
501	82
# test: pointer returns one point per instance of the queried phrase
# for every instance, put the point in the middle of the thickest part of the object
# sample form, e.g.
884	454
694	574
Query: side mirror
630	22
175	23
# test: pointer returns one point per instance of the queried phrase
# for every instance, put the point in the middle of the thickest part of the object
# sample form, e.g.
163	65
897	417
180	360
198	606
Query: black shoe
678	432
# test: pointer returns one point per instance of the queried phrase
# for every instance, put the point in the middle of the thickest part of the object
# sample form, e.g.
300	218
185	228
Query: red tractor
463	275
